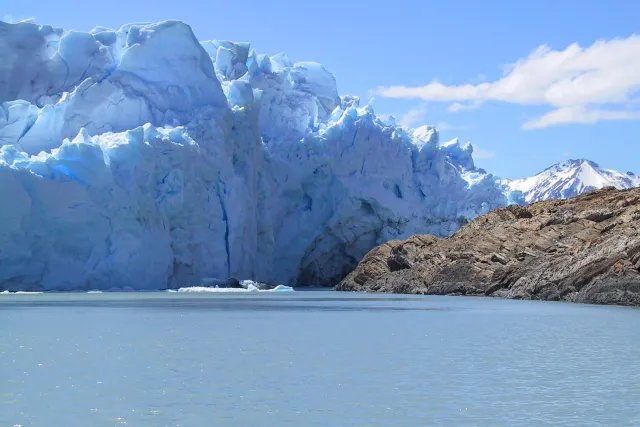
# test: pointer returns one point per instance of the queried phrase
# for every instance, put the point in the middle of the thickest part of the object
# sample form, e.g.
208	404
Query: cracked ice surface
141	158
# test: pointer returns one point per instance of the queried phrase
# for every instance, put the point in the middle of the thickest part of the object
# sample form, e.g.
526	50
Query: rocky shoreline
585	249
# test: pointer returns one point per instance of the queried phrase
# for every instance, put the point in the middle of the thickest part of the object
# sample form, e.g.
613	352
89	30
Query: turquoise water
314	359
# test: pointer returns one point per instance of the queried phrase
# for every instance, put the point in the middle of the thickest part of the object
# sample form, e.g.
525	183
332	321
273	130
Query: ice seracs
140	158
106	81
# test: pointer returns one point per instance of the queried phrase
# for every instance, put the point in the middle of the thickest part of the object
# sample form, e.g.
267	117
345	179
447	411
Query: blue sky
581	102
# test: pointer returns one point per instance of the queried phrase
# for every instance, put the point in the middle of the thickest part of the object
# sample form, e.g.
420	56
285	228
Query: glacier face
141	158
569	179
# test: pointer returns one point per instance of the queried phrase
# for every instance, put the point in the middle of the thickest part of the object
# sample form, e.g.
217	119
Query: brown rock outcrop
585	249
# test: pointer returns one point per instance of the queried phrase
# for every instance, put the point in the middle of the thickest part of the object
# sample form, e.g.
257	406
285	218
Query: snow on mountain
141	158
568	179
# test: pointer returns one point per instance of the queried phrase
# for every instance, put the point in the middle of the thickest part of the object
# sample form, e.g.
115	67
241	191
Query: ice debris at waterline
232	285
19	293
250	288
141	158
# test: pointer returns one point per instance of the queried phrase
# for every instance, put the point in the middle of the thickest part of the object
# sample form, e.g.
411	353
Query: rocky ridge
585	249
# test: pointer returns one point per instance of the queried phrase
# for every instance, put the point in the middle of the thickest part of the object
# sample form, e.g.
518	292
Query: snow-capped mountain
570	178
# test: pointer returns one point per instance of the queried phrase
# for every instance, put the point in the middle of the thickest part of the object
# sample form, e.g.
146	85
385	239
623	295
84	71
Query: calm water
314	359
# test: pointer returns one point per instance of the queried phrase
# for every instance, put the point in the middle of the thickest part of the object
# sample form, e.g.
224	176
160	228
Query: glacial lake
314	358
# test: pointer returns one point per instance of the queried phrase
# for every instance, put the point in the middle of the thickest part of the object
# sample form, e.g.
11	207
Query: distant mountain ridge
569	179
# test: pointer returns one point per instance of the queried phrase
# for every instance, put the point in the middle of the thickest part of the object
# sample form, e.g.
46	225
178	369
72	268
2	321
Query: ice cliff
145	159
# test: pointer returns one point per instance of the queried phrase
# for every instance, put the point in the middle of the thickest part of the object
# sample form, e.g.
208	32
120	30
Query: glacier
142	158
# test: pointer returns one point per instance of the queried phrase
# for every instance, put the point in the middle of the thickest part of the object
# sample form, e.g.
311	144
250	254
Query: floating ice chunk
246	283
19	293
249	284
249	289
204	289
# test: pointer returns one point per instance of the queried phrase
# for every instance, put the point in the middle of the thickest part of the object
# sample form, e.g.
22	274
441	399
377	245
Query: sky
528	83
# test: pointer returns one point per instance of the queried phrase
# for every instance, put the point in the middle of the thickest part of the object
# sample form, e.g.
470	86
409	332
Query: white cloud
457	106
579	114
415	116
576	82
479	153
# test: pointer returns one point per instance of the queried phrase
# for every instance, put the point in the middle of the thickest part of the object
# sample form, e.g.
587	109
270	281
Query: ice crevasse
143	158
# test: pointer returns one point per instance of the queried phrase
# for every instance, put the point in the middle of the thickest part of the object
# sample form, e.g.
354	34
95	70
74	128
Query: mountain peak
572	163
570	178
587	162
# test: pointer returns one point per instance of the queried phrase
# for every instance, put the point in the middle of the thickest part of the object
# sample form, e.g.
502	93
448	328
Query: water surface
314	359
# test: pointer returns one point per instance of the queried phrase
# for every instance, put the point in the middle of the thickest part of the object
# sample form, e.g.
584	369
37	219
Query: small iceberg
20	292
212	284
250	287
282	288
